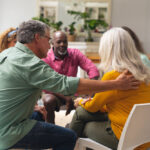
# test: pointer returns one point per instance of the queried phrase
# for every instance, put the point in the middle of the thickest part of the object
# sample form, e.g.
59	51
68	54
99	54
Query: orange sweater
118	103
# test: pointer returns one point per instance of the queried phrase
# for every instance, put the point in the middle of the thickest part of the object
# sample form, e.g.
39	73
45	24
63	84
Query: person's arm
41	76
68	100
60	96
87	65
101	99
122	82
95	78
98	101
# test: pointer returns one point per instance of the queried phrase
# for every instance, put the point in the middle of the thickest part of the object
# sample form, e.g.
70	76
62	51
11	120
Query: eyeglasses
49	39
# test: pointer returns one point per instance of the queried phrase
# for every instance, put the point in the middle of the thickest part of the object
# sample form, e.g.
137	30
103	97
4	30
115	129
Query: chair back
137	128
135	132
84	143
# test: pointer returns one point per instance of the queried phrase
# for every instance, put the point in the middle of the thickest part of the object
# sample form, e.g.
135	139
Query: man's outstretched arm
122	82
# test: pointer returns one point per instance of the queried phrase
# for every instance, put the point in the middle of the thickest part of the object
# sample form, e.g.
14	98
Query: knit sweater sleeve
102	98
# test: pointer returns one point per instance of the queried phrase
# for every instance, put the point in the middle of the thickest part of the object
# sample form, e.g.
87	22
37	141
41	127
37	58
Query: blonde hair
5	39
118	52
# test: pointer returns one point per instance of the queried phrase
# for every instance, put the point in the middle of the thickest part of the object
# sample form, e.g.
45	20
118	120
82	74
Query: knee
73	136
81	113
49	101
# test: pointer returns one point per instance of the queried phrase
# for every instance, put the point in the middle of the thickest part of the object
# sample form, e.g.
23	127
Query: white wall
13	12
134	14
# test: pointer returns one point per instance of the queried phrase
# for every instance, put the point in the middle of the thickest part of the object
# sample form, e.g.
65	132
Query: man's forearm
60	96
122	82
87	86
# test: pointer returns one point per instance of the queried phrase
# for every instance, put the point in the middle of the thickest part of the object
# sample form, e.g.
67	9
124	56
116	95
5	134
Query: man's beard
62	53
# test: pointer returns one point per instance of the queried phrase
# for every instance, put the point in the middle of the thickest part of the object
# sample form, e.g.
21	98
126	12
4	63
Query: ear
37	37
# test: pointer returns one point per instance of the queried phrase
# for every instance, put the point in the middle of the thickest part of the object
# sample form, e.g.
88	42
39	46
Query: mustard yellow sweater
118	103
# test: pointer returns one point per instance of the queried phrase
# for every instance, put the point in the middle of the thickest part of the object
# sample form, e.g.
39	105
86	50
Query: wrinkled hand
41	109
127	81
86	100
69	105
76	102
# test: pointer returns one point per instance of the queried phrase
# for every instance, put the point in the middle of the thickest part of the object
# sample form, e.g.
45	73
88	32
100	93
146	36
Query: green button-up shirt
22	77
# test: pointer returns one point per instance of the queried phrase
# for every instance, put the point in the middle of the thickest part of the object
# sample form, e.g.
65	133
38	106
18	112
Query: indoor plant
89	24
55	25
71	32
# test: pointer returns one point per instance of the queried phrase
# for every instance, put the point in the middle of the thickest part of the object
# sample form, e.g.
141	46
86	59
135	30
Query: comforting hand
127	81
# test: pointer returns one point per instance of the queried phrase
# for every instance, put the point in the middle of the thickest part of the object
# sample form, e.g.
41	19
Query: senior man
65	61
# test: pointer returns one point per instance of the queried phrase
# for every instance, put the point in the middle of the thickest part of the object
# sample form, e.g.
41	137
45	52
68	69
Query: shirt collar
23	48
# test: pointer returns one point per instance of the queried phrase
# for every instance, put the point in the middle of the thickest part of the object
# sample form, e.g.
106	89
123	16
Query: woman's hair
6	37
136	40
27	30
118	52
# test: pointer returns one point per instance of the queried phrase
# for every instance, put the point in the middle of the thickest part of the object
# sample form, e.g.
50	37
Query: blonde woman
8	38
118	53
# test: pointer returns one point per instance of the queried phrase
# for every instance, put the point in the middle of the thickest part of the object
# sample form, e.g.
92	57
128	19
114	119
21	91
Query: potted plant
71	32
55	25
89	24
42	19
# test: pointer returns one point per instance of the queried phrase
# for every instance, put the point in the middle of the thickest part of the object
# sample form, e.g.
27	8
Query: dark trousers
37	116
46	135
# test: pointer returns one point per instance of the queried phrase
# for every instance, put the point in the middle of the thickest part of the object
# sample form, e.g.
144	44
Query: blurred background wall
13	12
132	13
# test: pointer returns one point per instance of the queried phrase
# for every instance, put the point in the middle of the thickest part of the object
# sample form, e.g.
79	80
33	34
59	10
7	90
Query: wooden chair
136	131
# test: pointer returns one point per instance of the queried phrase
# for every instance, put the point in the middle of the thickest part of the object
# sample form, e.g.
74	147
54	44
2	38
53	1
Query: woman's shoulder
111	75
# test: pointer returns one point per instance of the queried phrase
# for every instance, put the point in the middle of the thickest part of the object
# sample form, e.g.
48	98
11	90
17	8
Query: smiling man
65	61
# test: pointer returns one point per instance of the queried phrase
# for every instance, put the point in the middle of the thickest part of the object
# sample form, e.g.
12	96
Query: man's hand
69	105
41	109
127	81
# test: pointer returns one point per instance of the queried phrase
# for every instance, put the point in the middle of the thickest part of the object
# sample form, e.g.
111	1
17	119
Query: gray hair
118	52
28	29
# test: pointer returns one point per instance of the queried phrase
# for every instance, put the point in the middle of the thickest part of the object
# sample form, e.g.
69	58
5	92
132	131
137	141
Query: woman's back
121	102
119	52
